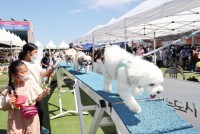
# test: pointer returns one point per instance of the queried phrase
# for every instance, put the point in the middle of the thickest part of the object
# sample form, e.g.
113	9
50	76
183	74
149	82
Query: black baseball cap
47	54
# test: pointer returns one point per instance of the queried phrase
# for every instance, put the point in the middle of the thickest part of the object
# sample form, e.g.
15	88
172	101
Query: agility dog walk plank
156	116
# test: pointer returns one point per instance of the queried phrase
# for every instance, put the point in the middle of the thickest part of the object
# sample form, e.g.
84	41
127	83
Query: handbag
28	111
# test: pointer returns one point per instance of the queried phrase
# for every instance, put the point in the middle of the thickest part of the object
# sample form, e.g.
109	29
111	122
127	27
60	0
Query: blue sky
64	19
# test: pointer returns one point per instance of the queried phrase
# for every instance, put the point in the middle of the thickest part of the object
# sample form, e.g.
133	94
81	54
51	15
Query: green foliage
3	81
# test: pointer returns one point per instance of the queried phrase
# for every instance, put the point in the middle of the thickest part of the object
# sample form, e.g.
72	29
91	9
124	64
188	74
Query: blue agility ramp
156	117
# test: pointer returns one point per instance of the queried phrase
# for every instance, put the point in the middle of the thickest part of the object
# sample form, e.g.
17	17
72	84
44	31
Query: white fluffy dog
133	75
82	61
58	56
70	56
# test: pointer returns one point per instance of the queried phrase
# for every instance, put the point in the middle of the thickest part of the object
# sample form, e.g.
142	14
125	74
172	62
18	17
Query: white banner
184	98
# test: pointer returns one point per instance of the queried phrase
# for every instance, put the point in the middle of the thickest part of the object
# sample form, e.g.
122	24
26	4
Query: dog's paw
136	108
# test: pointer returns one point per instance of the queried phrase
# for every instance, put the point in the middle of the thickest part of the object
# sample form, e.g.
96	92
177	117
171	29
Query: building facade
24	29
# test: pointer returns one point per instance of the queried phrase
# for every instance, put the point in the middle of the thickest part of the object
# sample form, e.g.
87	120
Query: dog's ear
80	60
75	53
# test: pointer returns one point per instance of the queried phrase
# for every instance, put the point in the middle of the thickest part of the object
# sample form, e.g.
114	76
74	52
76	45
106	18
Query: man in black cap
45	61
45	65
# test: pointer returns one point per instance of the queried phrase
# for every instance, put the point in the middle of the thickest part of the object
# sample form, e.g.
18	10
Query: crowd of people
183	56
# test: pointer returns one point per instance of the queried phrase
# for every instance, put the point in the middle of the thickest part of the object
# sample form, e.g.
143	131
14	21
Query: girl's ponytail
21	55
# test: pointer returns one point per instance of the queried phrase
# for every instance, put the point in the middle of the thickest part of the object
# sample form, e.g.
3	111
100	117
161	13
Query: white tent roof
50	45
37	43
164	17
171	25
89	35
151	10
9	38
63	45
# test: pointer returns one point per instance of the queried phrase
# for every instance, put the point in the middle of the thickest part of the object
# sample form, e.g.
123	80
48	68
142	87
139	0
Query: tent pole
50	54
154	47
93	51
11	49
125	28
193	39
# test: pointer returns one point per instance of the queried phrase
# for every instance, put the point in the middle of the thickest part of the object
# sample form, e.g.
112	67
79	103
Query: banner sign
196	40
14	25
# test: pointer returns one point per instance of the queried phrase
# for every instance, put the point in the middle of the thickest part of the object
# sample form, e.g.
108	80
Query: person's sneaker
44	130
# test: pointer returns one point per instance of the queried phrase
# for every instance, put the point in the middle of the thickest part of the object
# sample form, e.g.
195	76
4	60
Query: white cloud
96	4
76	11
111	3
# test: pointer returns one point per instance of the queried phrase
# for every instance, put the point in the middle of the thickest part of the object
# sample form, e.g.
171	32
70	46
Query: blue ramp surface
156	117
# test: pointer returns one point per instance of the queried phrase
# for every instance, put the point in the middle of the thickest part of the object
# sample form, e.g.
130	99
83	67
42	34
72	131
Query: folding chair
173	72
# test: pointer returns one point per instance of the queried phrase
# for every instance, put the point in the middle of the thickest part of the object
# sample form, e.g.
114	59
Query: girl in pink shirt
20	84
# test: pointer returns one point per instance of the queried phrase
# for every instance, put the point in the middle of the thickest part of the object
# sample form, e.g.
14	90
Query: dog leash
139	100
80	68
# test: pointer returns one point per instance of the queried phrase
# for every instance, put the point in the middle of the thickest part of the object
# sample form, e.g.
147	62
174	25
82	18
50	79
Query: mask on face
23	78
34	57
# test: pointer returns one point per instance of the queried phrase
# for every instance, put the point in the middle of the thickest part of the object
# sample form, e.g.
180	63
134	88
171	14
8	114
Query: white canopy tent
63	45
4	37
37	43
40	51
172	25
151	10
50	45
152	18
10	39
88	37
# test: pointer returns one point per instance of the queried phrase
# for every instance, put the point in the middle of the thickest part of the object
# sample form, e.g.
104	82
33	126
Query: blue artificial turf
184	131
156	117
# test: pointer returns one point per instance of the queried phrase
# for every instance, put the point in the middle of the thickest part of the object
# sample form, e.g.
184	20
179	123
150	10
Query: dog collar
125	64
